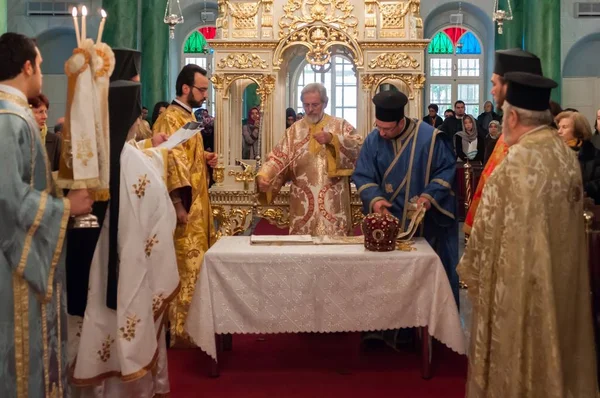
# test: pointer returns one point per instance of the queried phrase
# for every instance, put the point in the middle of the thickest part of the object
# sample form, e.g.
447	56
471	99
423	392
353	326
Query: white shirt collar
14	91
184	106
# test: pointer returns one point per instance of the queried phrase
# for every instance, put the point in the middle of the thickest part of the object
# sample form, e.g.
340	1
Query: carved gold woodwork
413	81
337	13
320	41
279	217
222	81
234	210
394	61
232	221
242	61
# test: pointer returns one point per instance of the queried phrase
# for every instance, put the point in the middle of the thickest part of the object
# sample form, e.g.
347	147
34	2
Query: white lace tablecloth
244	288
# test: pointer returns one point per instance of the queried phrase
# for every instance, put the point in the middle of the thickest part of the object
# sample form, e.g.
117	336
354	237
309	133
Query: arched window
455	70
197	51
341	84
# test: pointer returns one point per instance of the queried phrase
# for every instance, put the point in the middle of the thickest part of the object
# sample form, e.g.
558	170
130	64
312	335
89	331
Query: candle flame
83	11
103	13
74	12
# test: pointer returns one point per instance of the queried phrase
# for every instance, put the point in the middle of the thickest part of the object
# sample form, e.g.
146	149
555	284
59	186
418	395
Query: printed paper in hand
182	135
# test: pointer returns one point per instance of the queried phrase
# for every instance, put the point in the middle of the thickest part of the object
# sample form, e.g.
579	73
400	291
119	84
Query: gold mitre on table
85	157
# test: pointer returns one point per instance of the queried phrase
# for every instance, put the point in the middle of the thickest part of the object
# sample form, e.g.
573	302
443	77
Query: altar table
244	288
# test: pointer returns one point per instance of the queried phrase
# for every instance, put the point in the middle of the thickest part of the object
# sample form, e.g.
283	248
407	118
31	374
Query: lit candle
74	13
83	28
101	28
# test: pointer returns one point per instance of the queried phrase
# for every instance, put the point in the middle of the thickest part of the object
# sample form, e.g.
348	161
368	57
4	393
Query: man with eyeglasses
317	154
188	187
402	162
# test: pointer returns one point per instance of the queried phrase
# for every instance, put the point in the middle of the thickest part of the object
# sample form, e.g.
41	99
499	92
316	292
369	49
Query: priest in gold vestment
188	187
318	154
526	263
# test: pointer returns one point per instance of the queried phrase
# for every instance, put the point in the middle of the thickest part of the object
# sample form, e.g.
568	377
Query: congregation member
290	117
486	117
433	118
513	60
403	162
526	263
576	132
40	106
469	143
188	187
250	132
133	274
317	154
491	139
159	108
33	323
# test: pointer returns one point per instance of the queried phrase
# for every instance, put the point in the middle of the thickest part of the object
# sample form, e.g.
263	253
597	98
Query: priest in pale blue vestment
33	225
405	160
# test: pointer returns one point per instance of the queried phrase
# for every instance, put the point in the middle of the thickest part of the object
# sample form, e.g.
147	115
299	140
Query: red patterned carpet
315	365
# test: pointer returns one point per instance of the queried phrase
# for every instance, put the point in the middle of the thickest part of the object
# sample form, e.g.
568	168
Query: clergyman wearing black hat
403	160
512	60
527	261
507	61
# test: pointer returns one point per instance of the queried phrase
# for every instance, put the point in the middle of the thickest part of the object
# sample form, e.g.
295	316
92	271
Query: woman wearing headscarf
494	132
468	143
290	117
250	132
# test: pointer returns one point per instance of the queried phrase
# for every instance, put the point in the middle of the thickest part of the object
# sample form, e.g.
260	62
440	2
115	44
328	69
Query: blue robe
417	163
33	328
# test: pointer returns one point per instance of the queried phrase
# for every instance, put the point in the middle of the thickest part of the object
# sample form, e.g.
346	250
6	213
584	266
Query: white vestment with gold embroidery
122	353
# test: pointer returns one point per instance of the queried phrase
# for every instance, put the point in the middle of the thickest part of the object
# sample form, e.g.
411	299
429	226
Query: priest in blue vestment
404	160
33	327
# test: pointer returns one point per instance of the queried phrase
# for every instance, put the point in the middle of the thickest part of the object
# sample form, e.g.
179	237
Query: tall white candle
83	26
76	23
101	28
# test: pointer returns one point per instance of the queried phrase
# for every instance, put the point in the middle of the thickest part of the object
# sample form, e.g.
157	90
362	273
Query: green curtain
251	99
155	54
3	17
121	30
542	37
513	30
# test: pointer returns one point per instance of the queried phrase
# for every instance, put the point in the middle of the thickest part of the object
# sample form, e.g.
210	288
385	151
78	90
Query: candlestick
101	28
83	26
74	13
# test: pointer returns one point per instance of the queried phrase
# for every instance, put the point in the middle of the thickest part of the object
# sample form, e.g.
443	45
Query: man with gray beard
317	154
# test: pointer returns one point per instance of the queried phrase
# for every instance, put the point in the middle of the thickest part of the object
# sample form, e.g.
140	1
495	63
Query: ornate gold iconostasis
255	44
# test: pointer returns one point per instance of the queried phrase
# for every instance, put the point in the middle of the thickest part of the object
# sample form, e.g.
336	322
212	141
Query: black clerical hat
517	60
127	64
389	105
529	90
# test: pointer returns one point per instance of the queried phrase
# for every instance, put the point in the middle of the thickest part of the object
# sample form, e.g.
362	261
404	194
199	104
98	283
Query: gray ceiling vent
456	19
207	16
587	10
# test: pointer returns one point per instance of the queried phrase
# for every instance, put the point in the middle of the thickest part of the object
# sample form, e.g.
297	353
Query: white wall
573	29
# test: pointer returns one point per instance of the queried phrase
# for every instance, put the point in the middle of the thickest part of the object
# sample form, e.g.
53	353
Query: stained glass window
195	43
454	33
468	44
209	32
441	44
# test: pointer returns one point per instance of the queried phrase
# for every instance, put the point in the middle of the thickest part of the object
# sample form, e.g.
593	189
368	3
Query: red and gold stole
500	151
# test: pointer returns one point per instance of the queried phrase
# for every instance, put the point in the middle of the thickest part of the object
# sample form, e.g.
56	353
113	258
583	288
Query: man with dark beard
188	187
